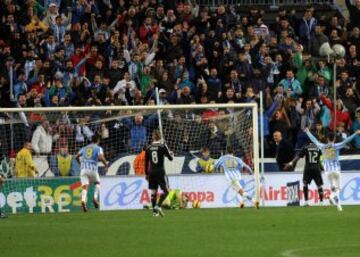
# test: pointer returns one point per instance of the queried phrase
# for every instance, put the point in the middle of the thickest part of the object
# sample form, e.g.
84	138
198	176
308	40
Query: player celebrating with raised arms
89	156
155	171
232	166
331	163
312	169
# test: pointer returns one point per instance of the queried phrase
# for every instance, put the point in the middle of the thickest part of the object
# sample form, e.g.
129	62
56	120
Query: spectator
284	150
317	40
124	84
165	83
139	128
215	85
356	125
320	132
20	87
354	11
184	96
175	52
58	29
215	140
307	29
51	14
351	100
308	112
266	125
280	122
291	85
163	99
343	83
83	132
342	114
63	93
42	139
319	87
147	30
308	119
36	25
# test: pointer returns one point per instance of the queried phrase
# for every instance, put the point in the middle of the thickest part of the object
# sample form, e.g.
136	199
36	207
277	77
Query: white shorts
334	178
233	175
88	176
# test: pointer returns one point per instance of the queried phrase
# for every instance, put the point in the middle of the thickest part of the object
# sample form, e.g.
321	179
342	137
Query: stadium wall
215	192
46	195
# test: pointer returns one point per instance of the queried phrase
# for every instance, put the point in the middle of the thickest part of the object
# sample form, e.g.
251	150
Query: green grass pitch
268	232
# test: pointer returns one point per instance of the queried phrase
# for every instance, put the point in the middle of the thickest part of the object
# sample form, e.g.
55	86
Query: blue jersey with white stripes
231	166
90	157
330	152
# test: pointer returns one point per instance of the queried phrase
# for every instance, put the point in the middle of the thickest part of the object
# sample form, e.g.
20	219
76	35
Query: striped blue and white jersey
231	166
90	157
330	152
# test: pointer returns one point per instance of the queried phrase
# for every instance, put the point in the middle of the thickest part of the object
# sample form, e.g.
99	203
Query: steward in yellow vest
62	163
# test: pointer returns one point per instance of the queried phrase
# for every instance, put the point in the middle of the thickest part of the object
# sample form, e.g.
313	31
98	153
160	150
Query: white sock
96	192
245	195
83	195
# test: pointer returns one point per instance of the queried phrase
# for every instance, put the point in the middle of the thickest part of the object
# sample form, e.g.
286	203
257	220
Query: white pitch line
292	252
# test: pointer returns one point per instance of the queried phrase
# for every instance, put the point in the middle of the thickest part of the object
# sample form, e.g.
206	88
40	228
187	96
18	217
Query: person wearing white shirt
125	83
83	132
42	141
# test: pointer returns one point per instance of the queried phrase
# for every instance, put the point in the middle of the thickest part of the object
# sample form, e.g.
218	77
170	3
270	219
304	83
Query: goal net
57	134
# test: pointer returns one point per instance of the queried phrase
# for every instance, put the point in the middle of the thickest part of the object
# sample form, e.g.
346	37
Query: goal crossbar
126	107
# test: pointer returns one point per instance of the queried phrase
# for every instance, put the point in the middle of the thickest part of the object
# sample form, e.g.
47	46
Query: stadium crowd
85	53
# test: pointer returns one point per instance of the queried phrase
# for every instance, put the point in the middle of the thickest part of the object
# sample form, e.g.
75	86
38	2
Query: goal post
126	130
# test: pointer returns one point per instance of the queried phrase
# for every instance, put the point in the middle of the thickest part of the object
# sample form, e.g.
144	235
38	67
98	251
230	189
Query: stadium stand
85	53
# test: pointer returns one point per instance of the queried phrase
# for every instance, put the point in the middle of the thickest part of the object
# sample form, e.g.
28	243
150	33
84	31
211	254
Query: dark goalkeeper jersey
155	157
312	156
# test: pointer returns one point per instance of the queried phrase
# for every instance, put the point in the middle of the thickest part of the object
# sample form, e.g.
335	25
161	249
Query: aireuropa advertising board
214	191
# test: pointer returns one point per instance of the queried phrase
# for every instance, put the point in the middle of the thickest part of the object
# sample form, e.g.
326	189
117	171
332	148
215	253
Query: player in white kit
331	163
89	156
231	166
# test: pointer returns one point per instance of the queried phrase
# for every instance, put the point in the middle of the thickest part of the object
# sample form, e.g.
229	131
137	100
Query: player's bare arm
104	161
292	163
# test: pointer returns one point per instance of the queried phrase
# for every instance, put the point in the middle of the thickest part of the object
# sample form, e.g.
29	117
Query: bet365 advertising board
41	195
44	195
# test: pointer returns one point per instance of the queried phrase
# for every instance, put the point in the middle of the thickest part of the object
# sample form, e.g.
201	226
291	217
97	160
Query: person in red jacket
342	114
147	30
